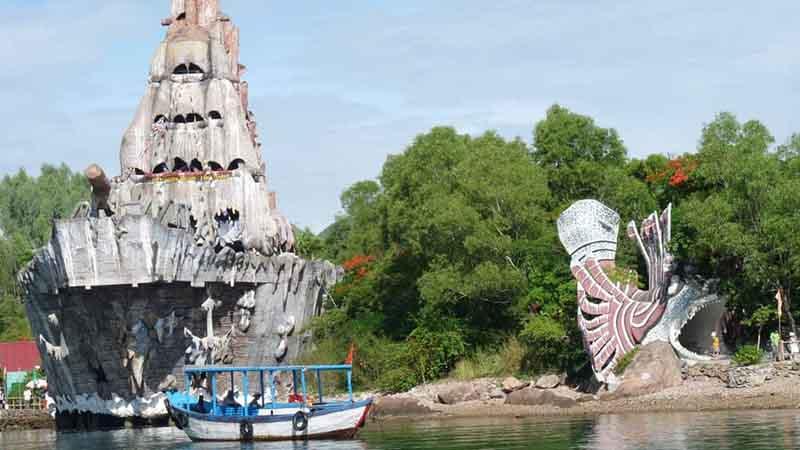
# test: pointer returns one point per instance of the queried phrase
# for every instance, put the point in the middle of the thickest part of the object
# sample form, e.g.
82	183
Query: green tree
307	244
28	206
573	151
760	317
740	223
357	230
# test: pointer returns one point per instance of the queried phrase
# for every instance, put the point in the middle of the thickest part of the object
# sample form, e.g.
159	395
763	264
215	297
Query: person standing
794	347
775	340
714	344
2	399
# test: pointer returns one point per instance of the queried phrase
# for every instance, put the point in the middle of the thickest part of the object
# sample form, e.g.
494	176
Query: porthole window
186	69
180	166
193	117
235	164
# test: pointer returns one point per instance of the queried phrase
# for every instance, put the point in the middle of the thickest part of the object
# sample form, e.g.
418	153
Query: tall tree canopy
27	208
739	218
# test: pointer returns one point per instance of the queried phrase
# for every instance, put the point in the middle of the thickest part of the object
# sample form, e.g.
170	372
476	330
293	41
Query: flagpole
779	297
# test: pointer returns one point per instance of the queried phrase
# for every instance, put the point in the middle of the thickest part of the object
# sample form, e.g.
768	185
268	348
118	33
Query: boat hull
341	422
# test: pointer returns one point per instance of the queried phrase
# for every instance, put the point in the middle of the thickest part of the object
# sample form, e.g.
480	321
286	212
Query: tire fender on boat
300	421
246	431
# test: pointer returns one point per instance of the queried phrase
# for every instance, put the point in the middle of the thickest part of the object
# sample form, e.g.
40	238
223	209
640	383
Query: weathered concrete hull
113	338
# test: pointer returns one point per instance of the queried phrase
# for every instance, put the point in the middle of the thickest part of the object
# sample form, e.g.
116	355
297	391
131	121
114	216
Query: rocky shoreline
703	387
14	420
690	396
649	385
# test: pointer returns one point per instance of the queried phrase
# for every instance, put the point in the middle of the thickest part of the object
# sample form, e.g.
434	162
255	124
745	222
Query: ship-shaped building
181	259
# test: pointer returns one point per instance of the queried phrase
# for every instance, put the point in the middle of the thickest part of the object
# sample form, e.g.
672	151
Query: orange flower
678	178
356	262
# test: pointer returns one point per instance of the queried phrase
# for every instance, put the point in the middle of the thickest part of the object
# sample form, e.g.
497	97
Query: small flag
779	298
351	354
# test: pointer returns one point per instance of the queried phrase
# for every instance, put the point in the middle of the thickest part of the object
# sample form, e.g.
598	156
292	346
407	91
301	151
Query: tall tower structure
193	141
181	259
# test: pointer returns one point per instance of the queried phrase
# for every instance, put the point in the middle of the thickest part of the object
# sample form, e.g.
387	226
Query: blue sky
337	86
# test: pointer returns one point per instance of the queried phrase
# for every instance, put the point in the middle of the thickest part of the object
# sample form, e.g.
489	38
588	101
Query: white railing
19	403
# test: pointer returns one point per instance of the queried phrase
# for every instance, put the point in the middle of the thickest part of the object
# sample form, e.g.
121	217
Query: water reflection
751	430
682	431
635	431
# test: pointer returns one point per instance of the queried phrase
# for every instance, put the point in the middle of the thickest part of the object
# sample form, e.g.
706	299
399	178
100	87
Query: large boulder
654	368
548	382
750	376
399	405
538	397
512	384
457	393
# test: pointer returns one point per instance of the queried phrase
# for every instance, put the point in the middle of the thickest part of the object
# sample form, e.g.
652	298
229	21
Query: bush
433	353
748	355
625	361
399	379
546	344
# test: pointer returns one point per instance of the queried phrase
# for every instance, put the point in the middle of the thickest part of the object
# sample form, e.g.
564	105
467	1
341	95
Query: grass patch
625	361
506	360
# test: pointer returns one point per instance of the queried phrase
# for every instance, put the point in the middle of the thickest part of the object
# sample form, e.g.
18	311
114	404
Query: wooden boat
264	418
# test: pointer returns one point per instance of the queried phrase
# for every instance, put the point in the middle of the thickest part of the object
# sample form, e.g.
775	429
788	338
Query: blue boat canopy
227	369
299	387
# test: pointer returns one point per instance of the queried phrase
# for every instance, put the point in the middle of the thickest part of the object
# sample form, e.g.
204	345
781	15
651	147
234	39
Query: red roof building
21	356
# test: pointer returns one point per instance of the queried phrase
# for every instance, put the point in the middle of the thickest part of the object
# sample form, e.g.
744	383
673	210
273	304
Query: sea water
750	430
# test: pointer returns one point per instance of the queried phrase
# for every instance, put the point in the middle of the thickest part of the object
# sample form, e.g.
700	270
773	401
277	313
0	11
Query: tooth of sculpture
57	352
171	323
195	352
281	349
246	305
286	327
159	327
209	306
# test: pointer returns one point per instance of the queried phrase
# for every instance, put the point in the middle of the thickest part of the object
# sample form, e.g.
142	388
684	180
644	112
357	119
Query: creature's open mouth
225	217
229	229
691	334
693	312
